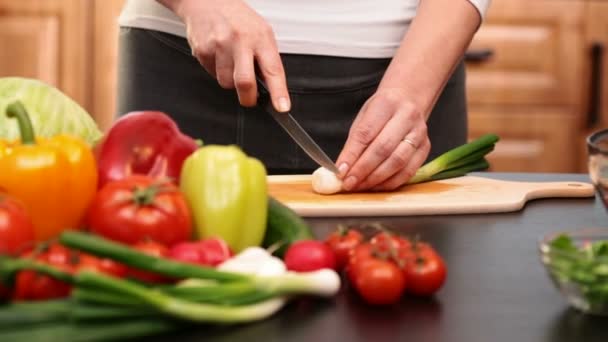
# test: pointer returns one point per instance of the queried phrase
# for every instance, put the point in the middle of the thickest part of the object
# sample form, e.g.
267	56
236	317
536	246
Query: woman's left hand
386	144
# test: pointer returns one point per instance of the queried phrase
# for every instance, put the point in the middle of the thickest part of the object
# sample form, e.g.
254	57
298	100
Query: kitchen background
537	70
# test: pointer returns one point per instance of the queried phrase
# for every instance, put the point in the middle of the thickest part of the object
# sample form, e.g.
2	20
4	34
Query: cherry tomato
362	252
141	208
207	252
31	285
102	265
342	242
309	255
378	281
425	271
16	228
387	241
151	248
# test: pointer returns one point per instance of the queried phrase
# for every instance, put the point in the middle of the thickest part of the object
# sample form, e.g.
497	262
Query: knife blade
293	128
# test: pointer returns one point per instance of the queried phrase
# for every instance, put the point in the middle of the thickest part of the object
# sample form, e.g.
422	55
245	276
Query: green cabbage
51	111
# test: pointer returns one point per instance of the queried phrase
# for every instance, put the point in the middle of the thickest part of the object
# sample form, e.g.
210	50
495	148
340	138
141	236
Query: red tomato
309	255
102	265
208	252
342	242
31	285
387	241
141	208
16	228
152	248
378	281
362	252
425	271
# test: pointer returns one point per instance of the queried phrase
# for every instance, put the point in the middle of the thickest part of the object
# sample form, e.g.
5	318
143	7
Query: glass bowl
597	150
581	275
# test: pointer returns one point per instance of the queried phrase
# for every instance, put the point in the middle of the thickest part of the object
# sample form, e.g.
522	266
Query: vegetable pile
144	230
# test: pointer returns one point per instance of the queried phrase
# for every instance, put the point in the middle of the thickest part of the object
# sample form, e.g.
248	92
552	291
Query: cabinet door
596	51
47	40
532	139
533	53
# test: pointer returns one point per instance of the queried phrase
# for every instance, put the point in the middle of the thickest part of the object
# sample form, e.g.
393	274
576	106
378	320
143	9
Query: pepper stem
17	110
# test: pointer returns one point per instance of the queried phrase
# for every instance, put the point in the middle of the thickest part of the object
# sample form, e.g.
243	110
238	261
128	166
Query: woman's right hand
228	37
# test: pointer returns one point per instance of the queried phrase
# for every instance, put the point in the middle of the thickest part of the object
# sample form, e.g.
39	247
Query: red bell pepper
143	142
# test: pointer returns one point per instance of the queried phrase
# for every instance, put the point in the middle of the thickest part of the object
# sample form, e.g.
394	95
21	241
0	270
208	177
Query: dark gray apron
157	72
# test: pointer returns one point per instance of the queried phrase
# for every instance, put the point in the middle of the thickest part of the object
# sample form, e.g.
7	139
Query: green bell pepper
227	194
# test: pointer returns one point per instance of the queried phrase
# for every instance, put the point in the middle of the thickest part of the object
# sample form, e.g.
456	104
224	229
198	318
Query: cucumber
284	226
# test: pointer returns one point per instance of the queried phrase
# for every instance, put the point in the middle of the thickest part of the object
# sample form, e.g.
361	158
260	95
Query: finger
224	68
380	149
244	78
397	161
204	54
365	128
271	67
400	178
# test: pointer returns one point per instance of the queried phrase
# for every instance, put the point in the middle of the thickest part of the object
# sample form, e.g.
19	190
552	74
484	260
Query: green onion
182	309
105	248
112	330
459	161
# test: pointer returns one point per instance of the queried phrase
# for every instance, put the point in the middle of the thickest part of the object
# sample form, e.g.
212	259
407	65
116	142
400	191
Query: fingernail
283	104
342	169
350	183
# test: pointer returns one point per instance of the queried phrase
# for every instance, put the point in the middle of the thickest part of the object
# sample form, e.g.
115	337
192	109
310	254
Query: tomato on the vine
425	270
16	227
141	208
375	276
342	242
387	241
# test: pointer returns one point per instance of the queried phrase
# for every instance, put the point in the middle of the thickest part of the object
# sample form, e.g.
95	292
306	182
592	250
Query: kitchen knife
291	126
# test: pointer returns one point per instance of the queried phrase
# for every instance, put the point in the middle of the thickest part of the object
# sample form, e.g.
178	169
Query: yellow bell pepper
227	194
55	178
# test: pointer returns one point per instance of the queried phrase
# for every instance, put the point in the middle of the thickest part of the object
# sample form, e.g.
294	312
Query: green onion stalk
458	161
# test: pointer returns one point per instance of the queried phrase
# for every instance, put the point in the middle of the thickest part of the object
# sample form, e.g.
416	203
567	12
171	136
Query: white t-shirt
348	28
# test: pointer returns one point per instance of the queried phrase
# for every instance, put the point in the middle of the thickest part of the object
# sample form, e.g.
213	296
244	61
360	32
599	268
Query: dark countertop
497	289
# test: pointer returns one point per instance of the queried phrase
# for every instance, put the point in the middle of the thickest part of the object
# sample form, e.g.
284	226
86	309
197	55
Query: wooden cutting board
463	195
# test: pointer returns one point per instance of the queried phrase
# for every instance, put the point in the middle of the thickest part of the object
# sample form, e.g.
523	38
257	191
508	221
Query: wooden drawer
536	54
533	139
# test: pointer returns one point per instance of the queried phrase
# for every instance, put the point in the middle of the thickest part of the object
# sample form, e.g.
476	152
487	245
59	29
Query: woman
378	84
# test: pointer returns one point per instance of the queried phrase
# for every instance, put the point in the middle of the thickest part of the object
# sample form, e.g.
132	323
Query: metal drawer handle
595	90
478	55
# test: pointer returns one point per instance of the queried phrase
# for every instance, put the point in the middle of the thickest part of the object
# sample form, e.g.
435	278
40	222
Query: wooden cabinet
527	87
595	106
48	40
70	44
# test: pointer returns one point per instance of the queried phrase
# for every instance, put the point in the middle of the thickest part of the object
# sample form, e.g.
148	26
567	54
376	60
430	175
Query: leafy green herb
585	266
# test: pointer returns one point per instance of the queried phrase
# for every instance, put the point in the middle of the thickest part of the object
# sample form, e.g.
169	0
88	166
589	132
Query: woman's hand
378	154
386	145
228	37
